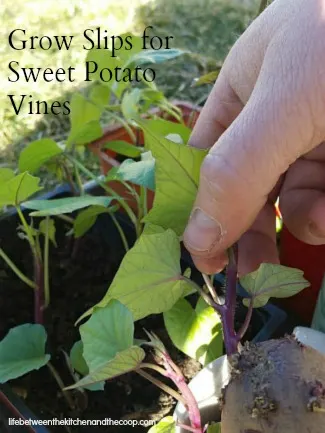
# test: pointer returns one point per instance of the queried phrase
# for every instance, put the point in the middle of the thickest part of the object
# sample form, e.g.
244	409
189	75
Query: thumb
242	168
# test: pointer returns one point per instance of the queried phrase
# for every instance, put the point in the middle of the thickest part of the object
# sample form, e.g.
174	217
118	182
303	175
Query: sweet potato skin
276	387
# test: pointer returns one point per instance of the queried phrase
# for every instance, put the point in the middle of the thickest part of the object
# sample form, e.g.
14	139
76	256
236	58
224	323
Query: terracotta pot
107	158
310	259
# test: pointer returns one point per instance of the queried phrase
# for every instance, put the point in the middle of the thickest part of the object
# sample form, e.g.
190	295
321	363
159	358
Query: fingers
256	144
220	110
243	167
302	200
258	244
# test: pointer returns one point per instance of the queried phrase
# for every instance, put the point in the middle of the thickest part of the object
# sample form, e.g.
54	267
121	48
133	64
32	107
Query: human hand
265	124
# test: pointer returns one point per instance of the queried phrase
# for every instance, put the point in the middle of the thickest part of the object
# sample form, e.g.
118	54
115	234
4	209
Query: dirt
79	278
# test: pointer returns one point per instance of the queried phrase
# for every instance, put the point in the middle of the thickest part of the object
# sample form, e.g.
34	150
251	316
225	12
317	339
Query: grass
206	28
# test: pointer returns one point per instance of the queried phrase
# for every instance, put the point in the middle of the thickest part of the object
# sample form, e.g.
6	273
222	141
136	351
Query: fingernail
316	231
202	232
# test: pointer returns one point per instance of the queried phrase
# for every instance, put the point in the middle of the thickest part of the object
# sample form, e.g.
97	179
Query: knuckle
210	174
222	176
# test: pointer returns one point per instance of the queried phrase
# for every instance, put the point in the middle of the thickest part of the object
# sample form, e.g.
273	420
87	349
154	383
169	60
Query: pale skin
264	123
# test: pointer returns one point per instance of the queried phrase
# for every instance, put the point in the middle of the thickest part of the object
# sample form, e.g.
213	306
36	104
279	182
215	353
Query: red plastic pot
310	259
107	158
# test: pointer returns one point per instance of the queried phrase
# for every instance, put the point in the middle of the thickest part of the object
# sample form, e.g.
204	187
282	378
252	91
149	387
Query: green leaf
123	362
156	56
130	105
166	425
173	200
138	172
152	229
84	119
123	148
6	174
149	280
87	218
214	428
37	153
162	128
108	331
17	189
197	333
138	101
103	59
319	314
22	350
107	340
77	360
175	138
272	281
100	95
47	225
208	78
119	87
151	97
79	364
125	53
64	205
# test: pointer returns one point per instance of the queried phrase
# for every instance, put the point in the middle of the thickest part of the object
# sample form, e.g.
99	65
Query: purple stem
175	374
227	311
39	291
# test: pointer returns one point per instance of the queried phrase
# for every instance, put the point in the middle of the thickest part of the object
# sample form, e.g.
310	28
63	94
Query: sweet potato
276	387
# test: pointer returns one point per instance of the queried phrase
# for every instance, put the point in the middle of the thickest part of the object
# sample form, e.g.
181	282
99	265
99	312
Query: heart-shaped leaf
87	218
108	331
79	364
84	119
196	332
149	280
272	281
108	350
37	153
138	172
123	362
64	205
18	188
22	350
173	200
